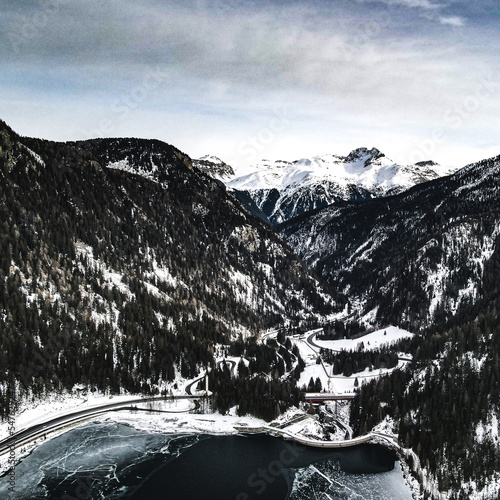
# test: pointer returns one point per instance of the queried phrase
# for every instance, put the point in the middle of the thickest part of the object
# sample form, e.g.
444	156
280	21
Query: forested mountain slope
122	266
446	405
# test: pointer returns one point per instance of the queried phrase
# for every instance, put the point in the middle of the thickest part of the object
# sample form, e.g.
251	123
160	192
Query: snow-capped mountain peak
212	158
364	154
284	189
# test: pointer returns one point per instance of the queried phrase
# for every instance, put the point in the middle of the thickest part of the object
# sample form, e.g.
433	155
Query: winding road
189	387
310	341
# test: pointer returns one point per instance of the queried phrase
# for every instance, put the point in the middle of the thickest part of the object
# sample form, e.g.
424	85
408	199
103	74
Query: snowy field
374	340
339	384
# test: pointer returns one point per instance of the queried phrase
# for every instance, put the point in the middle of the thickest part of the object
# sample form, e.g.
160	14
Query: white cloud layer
209	76
421	4
452	21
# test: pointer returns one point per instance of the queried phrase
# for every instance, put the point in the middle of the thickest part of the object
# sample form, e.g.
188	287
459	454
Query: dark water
113	461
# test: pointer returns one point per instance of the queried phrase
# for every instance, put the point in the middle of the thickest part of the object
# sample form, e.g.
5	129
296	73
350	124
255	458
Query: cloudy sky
252	79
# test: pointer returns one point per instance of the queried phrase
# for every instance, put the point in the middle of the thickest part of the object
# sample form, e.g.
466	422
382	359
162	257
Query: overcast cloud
211	76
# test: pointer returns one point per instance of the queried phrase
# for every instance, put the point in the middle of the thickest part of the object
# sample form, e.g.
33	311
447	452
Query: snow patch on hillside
110	277
489	429
125	166
242	286
36	156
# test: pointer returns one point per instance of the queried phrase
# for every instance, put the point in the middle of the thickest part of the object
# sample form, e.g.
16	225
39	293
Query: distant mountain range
282	190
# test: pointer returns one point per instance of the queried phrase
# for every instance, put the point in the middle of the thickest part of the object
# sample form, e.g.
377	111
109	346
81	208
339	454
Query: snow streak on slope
125	166
474	251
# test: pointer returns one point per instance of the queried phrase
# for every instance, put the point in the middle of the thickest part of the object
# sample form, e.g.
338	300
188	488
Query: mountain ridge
283	189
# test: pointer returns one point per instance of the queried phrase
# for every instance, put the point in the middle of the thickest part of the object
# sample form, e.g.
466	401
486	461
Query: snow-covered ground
187	423
58	405
374	340
339	384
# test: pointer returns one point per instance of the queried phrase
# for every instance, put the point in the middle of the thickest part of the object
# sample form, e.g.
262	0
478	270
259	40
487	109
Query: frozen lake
111	461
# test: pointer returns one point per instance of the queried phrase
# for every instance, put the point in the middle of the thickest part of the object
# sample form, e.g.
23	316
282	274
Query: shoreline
179	422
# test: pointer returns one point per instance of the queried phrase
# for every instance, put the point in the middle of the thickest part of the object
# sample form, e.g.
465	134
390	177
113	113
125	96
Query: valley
128	271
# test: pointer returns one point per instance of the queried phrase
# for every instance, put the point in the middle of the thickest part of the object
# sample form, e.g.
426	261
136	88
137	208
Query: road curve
311	342
33	432
189	387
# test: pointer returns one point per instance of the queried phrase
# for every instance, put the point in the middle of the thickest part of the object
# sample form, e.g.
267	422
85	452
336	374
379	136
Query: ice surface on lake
88	460
326	480
110	461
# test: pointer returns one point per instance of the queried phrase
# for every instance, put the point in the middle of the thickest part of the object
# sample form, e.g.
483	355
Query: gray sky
248	79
